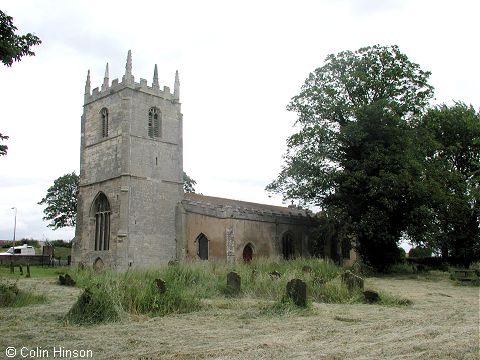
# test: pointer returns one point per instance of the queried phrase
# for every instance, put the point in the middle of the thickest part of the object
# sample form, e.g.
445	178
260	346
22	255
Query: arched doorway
247	253
202	247
98	264
288	249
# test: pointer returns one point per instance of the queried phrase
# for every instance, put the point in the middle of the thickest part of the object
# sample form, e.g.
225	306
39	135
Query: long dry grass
442	323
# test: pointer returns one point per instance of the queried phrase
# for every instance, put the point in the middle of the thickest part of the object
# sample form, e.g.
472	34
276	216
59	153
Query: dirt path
442	323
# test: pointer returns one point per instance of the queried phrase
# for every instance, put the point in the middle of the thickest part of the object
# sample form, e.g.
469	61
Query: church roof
238	206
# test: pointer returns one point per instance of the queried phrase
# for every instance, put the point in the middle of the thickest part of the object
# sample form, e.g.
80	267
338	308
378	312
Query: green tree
3	148
61	201
188	183
353	150
13	47
451	145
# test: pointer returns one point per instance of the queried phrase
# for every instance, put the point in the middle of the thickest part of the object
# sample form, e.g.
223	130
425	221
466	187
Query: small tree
188	183
61	201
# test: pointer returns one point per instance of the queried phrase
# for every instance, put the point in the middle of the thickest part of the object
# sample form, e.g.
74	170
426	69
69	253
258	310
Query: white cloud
239	62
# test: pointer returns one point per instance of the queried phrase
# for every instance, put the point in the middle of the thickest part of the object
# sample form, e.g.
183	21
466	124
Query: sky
240	63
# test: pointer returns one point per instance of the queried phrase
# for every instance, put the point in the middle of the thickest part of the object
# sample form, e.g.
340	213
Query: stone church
132	210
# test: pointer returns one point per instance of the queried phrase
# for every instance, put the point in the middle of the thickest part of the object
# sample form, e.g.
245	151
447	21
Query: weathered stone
66	280
371	296
233	283
69	281
297	291
161	286
275	275
28	271
352	281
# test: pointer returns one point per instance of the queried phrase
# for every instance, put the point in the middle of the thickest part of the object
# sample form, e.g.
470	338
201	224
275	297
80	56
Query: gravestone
371	296
21	269
161	286
352	281
297	291
233	283
66	280
28	271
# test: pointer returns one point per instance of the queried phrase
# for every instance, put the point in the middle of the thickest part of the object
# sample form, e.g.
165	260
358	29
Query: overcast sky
240	62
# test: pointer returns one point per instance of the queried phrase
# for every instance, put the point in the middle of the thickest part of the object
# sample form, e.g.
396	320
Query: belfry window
104	115
154	122
102	222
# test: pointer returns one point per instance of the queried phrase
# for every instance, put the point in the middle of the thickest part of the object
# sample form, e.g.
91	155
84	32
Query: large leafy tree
61	201
352	151
12	48
451	144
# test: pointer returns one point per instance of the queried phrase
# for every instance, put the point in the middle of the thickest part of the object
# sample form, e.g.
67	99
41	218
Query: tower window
102	222
104	115
154	122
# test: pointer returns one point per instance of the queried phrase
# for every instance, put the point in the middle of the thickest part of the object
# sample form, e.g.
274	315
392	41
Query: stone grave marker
233	283
161	286
352	281
297	291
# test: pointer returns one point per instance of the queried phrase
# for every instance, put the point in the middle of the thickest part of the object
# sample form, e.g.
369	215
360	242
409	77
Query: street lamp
15	226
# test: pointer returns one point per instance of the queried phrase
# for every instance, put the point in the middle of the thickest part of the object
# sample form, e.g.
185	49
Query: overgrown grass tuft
188	283
12	296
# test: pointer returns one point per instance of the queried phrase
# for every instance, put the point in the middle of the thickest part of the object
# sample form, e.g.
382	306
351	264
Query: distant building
131	207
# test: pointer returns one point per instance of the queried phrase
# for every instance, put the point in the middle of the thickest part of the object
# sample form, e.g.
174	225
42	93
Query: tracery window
154	122
102	223
104	115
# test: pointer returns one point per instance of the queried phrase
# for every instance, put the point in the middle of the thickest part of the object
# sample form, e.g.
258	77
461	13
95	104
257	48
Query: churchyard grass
441	323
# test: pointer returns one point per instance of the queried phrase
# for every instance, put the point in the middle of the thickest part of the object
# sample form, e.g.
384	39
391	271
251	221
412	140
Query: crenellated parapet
128	81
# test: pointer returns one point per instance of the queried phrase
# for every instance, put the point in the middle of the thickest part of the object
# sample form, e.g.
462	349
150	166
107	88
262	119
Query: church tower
131	173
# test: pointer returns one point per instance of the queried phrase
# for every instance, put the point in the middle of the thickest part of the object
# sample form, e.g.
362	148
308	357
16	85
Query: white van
20	250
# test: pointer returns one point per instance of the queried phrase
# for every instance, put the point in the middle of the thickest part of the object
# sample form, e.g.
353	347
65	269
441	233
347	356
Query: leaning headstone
297	291
352	281
233	283
371	296
28	271
275	275
68	280
61	279
161	286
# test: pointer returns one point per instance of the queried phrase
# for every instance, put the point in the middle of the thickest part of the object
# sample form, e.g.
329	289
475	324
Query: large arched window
202	247
104	115
288	249
154	122
102	222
